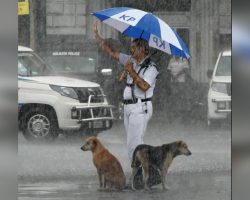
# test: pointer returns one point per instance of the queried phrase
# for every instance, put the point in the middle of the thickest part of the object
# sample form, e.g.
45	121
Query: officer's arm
105	47
143	85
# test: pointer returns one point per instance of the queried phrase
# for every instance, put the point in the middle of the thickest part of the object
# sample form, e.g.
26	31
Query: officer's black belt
131	101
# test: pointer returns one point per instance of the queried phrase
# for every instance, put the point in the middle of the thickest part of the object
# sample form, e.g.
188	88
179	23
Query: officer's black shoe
154	178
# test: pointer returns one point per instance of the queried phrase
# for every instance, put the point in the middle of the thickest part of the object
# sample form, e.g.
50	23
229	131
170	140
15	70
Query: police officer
138	93
181	88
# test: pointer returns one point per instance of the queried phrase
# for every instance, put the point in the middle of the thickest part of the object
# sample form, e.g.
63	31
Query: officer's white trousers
135	120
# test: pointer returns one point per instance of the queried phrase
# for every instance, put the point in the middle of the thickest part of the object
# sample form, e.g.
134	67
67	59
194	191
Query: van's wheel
40	124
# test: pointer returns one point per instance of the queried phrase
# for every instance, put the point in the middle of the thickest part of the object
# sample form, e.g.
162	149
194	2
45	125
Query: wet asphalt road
60	170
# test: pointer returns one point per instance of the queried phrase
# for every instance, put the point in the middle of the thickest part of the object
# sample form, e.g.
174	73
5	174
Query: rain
61	35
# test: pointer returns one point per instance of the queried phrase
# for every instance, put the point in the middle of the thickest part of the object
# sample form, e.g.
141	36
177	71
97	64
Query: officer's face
135	50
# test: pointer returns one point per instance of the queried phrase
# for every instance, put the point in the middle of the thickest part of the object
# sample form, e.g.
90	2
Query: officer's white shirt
149	76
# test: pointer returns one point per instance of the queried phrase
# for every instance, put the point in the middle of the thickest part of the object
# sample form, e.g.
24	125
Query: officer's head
139	47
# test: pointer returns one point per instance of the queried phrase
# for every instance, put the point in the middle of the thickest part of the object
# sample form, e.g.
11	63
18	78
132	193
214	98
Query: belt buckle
135	100
128	101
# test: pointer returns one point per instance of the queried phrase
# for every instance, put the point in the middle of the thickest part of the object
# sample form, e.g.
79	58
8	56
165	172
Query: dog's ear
94	142
179	143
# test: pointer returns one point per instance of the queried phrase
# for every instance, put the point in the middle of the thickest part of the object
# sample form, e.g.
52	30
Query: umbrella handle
122	76
124	73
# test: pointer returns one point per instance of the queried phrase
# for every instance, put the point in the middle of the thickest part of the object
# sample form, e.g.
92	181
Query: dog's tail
135	161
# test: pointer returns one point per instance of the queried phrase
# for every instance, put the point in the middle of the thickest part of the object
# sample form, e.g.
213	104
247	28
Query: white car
219	93
48	103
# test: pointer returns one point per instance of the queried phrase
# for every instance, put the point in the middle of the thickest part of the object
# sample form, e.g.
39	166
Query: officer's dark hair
142	44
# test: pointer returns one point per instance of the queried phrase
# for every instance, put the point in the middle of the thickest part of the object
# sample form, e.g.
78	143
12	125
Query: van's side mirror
209	73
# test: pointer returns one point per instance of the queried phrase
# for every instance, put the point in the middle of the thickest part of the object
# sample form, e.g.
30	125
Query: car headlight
65	91
219	87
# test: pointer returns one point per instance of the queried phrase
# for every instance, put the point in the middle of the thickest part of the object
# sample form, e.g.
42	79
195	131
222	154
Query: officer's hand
129	67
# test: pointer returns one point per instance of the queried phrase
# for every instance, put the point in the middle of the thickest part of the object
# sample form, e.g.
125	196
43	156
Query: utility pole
32	25
24	22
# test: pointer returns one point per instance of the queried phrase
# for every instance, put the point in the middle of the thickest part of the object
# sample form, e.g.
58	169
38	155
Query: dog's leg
104	182
108	185
131	180
100	179
145	168
163	173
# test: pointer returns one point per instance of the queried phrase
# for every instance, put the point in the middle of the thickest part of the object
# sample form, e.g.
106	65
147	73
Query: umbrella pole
141	33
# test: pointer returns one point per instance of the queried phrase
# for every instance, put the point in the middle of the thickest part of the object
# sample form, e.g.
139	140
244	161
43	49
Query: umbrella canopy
136	23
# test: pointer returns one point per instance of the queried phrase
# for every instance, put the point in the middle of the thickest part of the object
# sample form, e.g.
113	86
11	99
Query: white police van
219	94
48	103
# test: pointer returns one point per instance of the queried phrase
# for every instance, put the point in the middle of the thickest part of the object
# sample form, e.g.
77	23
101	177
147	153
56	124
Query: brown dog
159	157
109	169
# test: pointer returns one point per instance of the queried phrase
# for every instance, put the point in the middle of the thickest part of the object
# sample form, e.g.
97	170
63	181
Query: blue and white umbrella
140	24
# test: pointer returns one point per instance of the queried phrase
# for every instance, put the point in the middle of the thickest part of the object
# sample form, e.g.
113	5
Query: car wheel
40	124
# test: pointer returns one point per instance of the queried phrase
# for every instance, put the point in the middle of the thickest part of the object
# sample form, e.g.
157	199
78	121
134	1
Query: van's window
72	64
224	66
29	64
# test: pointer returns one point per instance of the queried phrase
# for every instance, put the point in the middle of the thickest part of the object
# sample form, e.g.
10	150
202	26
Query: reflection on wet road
205	186
60	170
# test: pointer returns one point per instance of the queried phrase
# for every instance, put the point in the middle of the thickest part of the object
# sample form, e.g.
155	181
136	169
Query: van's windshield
29	64
72	64
224	66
